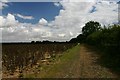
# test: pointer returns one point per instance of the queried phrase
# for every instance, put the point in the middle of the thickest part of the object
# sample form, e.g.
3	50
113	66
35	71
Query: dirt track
82	65
89	67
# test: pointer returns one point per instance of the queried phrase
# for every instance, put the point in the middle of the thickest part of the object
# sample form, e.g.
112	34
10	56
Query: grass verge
60	66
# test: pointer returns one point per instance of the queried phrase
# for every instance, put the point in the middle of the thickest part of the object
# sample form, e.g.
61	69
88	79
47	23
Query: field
20	57
53	60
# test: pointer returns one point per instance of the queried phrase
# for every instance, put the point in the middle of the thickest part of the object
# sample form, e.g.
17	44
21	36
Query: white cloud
43	21
4	0
2	20
76	14
67	24
82	0
71	33
12	30
79	13
3	4
8	21
57	4
61	35
24	17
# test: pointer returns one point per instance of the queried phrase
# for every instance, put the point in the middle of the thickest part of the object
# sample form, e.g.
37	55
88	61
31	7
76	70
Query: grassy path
78	62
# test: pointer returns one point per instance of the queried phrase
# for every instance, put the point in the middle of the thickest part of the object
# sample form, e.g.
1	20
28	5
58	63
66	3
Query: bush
107	40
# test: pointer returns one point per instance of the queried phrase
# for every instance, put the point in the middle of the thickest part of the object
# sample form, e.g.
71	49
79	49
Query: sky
36	10
54	21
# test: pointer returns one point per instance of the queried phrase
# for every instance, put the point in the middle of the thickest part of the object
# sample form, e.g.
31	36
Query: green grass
60	66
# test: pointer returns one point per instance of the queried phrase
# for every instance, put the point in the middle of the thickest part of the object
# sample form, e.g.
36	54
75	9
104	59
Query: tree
73	40
32	41
80	38
90	27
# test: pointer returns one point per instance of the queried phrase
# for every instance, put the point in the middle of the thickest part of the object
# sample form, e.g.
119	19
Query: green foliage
105	37
94	38
108	40
80	38
90	27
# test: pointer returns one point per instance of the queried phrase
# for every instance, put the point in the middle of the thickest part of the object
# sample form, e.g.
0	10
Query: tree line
106	39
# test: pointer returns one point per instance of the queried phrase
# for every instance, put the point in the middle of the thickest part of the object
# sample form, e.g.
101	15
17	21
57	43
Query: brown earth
85	66
89	67
80	62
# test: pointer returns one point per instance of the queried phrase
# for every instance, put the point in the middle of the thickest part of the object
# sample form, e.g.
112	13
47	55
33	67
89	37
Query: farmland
18	57
100	59
53	60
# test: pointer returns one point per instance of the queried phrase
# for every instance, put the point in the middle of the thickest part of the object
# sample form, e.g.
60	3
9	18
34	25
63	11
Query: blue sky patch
37	10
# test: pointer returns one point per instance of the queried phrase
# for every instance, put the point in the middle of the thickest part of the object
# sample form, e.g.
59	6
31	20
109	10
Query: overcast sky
55	21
